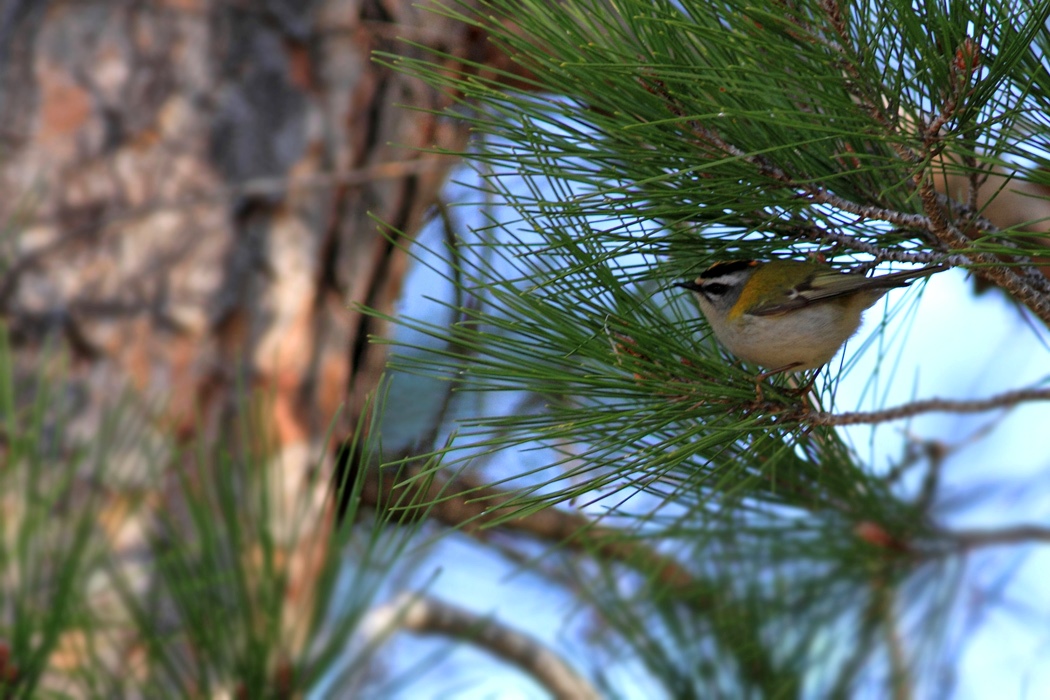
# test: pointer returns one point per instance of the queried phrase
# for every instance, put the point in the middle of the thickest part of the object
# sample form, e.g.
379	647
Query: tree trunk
189	192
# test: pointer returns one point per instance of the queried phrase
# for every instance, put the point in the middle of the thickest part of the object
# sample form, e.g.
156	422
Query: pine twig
885	254
1021	534
428	615
459	502
1005	400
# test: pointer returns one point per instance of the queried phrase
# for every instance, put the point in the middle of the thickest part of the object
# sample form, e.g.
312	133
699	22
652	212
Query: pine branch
675	136
1022	534
429	615
464	504
1006	400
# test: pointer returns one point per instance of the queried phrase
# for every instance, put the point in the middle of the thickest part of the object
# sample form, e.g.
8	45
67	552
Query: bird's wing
825	286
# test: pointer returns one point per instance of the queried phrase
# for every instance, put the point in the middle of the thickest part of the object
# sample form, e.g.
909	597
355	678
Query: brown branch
1023	281
932	132
837	19
1021	534
461	503
812	193
428	615
1024	284
900	678
885	254
875	108
1006	400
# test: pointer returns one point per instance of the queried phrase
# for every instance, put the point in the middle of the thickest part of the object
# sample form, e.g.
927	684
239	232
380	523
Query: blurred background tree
192	269
188	192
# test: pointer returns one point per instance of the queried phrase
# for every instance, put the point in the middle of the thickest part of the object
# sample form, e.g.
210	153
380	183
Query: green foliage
47	551
647	140
227	558
726	118
217	608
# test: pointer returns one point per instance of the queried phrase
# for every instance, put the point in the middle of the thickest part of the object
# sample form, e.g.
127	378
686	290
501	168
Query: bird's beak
691	286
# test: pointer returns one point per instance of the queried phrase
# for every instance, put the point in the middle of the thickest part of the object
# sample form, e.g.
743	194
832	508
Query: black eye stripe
716	289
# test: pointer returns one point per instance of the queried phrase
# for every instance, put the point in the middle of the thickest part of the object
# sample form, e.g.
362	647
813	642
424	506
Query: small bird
789	315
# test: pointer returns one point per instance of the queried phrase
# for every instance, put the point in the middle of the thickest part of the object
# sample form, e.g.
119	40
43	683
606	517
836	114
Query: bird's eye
715	289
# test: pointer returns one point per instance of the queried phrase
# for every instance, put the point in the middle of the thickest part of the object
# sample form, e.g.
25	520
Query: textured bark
189	191
189	188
